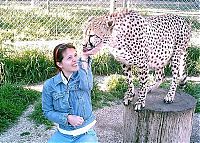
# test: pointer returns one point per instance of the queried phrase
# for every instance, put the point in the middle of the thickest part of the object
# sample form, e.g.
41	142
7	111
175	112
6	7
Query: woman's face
69	63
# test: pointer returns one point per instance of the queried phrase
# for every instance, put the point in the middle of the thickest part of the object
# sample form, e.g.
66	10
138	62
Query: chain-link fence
43	22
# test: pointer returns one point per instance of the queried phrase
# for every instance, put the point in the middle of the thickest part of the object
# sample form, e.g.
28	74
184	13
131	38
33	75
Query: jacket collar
58	78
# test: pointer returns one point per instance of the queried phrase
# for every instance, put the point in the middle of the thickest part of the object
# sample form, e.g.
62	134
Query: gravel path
109	127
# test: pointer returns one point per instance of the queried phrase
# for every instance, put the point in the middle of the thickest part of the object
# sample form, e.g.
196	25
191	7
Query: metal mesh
38	21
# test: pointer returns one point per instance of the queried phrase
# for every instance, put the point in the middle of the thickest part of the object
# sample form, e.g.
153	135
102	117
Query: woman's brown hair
58	53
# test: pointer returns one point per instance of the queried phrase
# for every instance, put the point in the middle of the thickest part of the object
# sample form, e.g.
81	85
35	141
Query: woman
66	97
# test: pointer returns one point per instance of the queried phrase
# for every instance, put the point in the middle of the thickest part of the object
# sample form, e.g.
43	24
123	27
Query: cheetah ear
110	24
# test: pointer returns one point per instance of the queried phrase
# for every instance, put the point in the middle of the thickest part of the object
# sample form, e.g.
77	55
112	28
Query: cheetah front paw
139	105
128	97
169	98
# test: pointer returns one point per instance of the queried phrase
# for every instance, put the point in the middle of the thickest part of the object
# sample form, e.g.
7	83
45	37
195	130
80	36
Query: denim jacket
59	100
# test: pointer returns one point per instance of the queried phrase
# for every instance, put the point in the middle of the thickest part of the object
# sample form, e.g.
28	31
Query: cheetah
148	43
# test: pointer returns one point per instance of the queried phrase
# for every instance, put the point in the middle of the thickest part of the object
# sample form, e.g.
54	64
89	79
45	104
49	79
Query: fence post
126	3
33	2
112	6
159	122
6	2
48	6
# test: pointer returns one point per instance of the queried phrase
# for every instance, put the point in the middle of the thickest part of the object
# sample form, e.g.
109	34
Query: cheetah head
96	33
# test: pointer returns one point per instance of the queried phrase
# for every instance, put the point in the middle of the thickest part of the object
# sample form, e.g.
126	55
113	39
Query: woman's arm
85	61
85	73
48	110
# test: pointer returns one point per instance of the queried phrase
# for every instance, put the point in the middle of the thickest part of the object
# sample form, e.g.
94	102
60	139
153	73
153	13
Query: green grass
13	101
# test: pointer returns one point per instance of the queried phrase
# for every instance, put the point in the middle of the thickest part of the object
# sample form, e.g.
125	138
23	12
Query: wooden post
159	122
112	6
48	6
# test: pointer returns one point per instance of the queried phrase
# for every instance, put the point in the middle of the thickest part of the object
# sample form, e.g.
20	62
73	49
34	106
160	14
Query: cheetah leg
129	95
185	37
178	61
143	77
182	73
159	75
169	98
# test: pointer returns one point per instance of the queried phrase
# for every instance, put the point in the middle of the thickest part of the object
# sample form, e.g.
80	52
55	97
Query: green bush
29	66
116	87
194	90
195	24
193	61
14	100
105	64
117	83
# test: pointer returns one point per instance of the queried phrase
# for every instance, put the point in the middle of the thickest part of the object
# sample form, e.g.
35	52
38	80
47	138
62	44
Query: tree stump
159	122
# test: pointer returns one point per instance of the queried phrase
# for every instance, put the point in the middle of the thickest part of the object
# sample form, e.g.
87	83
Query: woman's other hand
75	120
